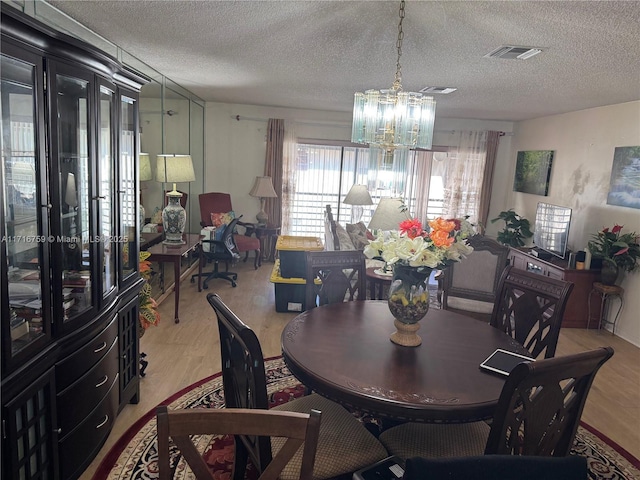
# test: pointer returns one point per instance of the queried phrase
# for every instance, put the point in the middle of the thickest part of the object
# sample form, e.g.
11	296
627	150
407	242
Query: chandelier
393	119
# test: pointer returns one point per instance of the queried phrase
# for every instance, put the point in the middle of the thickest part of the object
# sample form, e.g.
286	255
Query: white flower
416	247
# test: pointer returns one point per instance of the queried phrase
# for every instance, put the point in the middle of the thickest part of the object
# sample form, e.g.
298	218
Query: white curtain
462	176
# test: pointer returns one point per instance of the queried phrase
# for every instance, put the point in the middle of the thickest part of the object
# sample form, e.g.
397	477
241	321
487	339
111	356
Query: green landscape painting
533	171
624	186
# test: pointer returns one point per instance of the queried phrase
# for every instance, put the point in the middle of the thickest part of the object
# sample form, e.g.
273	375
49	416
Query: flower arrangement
444	243
148	307
616	248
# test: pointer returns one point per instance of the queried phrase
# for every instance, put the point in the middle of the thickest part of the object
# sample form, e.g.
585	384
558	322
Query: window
324	173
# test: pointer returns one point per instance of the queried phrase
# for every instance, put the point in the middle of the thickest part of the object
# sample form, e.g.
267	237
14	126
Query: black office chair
223	250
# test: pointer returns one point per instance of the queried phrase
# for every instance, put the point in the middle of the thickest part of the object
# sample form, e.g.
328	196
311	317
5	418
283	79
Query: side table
268	235
173	254
377	283
606	293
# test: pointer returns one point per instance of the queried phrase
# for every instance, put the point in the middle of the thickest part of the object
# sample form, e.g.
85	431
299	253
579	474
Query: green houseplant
618	251
516	229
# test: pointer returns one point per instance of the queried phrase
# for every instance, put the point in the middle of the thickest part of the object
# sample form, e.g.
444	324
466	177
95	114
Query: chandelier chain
397	84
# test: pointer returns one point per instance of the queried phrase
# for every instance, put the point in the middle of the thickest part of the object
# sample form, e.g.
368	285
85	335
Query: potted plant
516	229
618	251
148	308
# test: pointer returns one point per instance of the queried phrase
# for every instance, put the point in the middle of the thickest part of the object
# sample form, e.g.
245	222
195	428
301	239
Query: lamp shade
145	167
174	168
263	188
388	215
358	195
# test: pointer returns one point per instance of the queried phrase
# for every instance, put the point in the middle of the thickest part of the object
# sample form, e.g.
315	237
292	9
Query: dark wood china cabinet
69	278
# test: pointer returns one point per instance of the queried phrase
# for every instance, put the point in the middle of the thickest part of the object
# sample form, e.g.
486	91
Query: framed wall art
533	171
624	186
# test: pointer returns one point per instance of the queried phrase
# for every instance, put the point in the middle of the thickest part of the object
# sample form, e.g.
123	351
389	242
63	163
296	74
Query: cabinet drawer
80	447
76	364
77	401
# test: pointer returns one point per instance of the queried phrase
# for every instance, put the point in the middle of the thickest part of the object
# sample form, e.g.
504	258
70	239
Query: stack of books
76	291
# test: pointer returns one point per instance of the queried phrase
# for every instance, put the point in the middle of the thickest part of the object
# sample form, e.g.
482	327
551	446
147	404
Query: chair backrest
213	202
541	404
530	307
331	240
297	428
225	248
334	277
497	467
183	198
472	284
243	377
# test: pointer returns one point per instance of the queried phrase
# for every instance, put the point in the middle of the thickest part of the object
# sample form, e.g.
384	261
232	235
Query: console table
576	314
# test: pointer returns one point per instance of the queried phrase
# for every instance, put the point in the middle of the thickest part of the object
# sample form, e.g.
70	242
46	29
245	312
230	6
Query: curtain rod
334	124
304	122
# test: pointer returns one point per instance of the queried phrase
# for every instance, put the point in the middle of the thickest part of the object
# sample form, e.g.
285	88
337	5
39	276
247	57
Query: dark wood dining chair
344	445
179	425
529	308
497	467
470	287
335	276
538	413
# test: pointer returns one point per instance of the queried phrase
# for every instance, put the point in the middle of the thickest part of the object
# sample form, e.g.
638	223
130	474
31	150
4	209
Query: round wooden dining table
343	352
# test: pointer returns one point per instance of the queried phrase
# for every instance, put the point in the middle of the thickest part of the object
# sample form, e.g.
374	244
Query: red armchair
216	202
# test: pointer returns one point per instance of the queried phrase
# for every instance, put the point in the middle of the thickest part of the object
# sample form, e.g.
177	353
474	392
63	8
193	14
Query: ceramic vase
609	273
174	218
408	302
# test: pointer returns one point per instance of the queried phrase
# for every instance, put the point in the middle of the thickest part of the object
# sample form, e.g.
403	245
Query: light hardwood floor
181	354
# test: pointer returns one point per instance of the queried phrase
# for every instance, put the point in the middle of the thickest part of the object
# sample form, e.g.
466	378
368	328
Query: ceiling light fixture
392	119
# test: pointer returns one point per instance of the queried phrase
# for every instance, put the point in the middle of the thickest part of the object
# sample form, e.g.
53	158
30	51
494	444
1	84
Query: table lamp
174	168
388	215
357	196
263	188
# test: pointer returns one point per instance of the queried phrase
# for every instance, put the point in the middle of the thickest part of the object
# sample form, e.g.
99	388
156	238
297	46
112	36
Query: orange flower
412	228
441	238
440	224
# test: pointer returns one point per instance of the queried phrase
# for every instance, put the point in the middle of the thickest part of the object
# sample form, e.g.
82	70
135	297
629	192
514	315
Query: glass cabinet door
106	205
24	276
73	140
129	211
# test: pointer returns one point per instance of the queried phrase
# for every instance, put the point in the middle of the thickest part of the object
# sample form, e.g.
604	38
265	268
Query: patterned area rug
134	455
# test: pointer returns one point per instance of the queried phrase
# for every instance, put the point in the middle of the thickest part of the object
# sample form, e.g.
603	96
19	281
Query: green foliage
516	228
617	248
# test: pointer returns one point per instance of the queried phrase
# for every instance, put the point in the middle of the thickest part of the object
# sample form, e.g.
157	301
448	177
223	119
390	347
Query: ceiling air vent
438	90
511	52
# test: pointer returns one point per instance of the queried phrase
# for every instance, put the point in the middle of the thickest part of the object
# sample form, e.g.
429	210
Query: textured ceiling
316	54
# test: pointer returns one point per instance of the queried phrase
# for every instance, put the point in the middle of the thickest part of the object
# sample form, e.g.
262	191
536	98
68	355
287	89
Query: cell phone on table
501	362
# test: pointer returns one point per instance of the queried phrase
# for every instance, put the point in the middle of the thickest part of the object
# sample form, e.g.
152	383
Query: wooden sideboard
576	312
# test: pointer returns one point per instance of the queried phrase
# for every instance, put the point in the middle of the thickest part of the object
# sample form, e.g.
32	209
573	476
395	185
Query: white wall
235	150
584	143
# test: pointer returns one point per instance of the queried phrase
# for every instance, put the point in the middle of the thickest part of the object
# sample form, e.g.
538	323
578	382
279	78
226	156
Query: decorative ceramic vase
174	218
408	302
609	273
